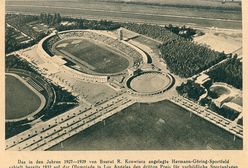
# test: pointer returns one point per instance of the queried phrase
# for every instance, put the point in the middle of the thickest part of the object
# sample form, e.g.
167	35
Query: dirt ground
227	40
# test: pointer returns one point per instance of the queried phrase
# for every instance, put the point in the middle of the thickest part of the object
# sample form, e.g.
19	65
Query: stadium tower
120	34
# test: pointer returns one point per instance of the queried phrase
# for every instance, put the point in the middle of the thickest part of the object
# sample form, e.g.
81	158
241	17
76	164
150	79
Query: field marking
127	12
42	98
76	59
100	44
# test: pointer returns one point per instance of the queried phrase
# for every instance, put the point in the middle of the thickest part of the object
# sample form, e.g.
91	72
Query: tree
186	58
229	72
191	90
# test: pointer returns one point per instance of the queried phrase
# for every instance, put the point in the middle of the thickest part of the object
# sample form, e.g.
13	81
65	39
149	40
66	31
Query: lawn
20	100
99	58
158	126
149	42
161	13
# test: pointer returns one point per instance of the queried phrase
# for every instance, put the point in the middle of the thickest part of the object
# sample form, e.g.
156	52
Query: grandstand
114	43
131	53
34	85
41	88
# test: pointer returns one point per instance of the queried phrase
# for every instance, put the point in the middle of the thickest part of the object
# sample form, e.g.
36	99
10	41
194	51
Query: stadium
101	69
91	52
106	73
97	56
23	87
92	56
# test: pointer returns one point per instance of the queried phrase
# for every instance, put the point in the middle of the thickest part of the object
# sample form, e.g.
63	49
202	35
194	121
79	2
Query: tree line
153	31
50	19
20	22
78	23
186	58
24	24
183	57
185	32
229	72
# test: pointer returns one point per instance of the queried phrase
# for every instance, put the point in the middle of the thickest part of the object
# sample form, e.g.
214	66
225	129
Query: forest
229	72
190	90
153	31
186	58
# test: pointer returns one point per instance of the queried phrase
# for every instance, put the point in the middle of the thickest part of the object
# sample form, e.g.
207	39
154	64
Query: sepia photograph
123	75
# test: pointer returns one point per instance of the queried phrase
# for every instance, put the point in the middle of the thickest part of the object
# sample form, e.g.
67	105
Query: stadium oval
91	55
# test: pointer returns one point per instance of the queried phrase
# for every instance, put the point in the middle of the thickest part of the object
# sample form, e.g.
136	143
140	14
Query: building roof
233	106
223	97
202	79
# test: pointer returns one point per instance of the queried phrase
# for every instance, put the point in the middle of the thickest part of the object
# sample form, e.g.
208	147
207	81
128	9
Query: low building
233	106
202	79
222	99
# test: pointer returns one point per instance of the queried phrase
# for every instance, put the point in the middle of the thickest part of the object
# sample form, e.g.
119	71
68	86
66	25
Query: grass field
210	3
96	57
131	12
149	42
159	126
20	100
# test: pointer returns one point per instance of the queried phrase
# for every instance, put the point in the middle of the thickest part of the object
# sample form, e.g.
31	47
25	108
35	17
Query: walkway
47	134
207	114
